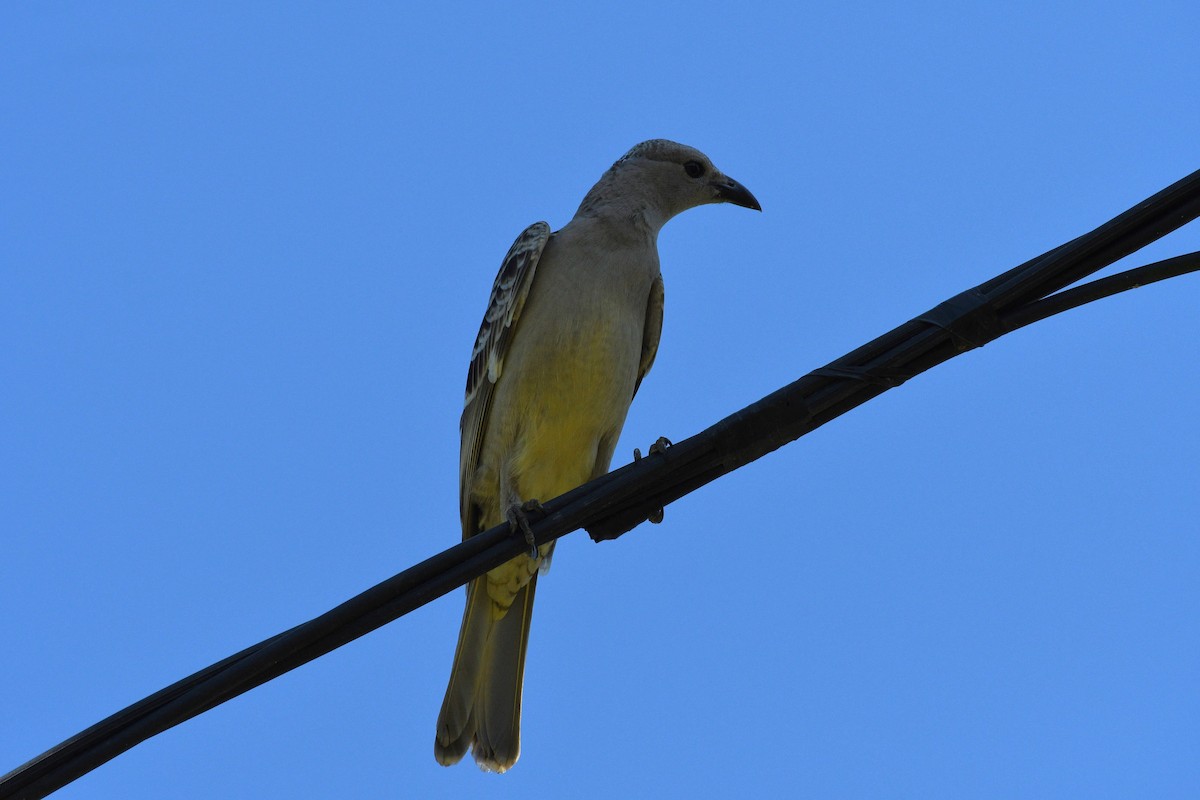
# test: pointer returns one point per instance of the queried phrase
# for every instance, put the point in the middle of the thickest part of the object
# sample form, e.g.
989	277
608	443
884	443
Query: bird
572	327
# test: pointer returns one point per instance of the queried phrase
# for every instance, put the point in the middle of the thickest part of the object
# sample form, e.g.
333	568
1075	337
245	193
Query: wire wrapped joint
970	318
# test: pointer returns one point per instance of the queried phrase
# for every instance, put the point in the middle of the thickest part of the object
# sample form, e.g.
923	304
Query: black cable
1101	288
615	503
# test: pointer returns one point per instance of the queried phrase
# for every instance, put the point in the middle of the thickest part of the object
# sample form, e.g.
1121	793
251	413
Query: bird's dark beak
730	191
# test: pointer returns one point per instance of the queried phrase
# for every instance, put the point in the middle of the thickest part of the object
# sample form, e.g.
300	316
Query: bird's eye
694	169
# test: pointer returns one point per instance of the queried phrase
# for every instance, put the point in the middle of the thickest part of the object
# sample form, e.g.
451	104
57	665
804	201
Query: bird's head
669	178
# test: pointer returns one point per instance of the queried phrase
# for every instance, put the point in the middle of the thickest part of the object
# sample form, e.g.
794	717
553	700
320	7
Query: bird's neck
627	213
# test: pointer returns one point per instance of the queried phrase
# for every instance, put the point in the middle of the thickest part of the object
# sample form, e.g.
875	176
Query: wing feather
652	331
509	293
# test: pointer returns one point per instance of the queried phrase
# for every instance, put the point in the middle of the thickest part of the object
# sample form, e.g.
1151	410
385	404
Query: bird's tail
482	708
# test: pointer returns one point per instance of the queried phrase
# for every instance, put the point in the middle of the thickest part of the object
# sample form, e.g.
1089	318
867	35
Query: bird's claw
518	520
659	446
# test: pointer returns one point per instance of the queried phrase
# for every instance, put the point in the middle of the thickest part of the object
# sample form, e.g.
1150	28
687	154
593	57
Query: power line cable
615	503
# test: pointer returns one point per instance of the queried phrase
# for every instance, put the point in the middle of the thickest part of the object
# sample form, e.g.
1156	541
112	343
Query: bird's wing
652	331
509	293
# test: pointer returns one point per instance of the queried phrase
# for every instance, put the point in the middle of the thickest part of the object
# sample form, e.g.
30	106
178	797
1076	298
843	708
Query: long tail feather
482	707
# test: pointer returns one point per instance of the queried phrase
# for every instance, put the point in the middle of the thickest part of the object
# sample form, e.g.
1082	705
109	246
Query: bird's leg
518	520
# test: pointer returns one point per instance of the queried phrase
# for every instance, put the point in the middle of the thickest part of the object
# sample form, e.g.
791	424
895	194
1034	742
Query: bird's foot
659	446
518	520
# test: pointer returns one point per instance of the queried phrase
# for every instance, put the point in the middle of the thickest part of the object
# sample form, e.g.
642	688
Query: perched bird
571	330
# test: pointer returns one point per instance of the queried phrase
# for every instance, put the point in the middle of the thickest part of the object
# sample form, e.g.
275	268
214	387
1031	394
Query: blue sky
246	250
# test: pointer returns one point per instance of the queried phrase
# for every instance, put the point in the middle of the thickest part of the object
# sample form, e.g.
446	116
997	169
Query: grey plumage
571	329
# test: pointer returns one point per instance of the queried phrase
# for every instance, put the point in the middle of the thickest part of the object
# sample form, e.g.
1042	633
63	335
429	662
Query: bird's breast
582	377
571	377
